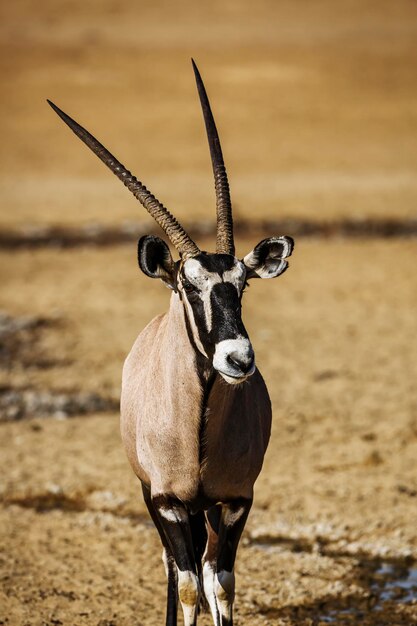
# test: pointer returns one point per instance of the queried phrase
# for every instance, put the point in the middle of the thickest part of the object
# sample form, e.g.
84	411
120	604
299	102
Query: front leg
168	559
213	517
232	523
173	518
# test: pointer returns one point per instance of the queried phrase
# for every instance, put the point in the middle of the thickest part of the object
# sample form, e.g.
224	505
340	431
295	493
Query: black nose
243	365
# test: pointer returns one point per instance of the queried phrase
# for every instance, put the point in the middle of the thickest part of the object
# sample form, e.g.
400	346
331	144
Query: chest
235	438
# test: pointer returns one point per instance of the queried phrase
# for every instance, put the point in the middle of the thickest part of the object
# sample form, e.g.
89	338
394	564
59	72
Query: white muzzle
234	360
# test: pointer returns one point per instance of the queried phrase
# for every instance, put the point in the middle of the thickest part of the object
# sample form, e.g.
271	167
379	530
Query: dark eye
188	287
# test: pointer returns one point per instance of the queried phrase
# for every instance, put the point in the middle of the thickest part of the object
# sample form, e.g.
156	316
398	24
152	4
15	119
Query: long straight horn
225	243
175	232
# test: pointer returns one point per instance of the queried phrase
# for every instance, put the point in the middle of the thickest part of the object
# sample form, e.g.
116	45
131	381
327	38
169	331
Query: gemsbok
195	411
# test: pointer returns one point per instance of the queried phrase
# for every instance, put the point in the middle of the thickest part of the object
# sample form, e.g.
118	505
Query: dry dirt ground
336	339
315	101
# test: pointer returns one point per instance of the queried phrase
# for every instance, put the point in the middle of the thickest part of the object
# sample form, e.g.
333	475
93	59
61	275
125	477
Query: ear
155	259
267	259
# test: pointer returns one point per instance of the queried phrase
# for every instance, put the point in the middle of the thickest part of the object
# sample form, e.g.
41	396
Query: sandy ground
315	102
338	489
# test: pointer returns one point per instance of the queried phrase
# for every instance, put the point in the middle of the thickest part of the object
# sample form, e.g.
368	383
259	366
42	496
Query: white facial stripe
236	275
198	275
204	281
208	311
194	329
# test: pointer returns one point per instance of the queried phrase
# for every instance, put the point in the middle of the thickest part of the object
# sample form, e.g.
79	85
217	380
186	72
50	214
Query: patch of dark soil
102	235
21	341
18	404
22	346
49	501
56	499
388	597
389	580
391	596
335	546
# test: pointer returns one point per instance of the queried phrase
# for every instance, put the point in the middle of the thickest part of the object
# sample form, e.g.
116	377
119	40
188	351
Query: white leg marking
165	561
209	573
173	515
231	517
189	594
224	585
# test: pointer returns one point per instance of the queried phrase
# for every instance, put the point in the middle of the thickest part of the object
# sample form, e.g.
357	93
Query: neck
179	323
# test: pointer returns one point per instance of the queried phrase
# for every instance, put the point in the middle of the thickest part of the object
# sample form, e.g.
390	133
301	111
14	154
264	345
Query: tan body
162	407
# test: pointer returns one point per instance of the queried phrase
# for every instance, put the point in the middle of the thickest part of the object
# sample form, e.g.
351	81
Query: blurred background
315	102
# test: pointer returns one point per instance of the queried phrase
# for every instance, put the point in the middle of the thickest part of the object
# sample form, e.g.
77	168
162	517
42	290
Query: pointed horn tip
51	104
58	111
196	71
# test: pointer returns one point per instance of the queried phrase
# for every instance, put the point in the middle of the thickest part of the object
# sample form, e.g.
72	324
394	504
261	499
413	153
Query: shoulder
146	340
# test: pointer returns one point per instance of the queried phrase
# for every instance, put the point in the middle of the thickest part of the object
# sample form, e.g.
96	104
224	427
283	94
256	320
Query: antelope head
209	285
